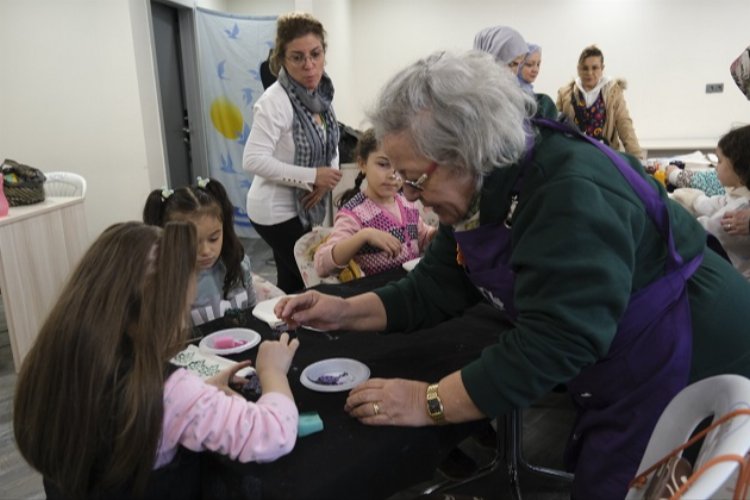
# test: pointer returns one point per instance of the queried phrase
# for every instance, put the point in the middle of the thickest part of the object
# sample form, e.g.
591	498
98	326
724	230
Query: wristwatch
434	404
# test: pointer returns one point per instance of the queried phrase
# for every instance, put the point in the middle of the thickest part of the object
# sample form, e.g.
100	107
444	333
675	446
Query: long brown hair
88	404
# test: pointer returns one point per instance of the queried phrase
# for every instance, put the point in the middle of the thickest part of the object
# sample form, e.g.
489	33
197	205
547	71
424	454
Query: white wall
666	49
78	91
69	99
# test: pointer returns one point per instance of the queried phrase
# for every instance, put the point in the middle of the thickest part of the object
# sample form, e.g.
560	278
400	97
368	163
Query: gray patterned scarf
314	145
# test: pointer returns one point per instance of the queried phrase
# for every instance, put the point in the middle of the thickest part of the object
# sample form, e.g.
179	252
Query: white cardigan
269	156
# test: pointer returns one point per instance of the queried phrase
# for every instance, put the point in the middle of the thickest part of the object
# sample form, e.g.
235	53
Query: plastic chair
264	289
712	397
515	459
304	251
65	184
508	453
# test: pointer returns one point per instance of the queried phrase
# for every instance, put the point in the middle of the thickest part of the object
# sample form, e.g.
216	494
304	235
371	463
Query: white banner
230	50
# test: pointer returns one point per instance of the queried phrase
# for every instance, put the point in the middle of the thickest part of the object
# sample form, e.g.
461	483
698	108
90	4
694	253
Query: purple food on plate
331	378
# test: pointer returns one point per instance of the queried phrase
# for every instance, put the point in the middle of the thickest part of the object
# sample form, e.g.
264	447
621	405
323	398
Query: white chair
304	251
712	397
65	184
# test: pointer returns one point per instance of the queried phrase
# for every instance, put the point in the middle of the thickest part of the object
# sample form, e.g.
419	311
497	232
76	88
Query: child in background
705	180
98	409
377	226
224	279
733	170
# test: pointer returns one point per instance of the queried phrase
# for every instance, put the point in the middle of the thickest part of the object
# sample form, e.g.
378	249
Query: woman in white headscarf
509	49
528	70
504	43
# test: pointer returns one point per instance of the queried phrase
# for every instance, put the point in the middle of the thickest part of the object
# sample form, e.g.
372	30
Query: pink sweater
348	223
200	417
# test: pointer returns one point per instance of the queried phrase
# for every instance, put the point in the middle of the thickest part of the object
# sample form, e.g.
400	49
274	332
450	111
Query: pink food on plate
227	342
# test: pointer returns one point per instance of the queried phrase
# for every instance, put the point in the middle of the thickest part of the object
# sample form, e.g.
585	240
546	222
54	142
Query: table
39	245
348	459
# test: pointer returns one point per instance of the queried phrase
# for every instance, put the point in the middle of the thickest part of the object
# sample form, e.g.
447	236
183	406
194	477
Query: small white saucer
251	338
334	375
411	264
264	311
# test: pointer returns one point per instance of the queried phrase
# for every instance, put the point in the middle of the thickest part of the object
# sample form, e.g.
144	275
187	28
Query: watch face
434	406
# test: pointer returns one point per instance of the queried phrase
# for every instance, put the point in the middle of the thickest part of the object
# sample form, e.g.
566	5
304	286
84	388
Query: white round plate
251	338
411	264
343	374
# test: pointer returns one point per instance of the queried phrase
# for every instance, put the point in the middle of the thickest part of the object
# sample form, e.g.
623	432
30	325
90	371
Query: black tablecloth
350	460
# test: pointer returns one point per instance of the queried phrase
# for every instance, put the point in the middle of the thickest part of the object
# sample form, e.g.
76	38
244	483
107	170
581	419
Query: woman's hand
736	222
225	377
389	402
327	177
311	309
382	240
311	199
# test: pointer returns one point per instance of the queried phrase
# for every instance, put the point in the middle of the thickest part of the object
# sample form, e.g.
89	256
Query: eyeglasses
298	59
417	185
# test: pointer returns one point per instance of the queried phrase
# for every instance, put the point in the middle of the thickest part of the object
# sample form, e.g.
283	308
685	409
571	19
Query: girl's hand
736	222
272	364
222	379
389	402
384	241
275	356
327	177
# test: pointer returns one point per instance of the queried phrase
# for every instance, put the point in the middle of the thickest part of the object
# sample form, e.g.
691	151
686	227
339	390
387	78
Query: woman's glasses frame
298	59
418	185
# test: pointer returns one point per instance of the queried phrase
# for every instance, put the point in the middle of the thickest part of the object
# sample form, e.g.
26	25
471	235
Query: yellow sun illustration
226	117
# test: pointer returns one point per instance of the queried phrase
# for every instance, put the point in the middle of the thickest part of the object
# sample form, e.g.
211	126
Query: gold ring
376	409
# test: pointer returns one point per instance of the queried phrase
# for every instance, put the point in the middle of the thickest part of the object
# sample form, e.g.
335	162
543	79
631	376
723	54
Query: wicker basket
24	185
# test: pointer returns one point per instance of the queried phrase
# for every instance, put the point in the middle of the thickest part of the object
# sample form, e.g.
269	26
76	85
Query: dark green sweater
582	244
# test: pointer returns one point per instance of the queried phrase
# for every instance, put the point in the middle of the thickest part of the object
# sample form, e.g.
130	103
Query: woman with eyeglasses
292	150
596	103
604	284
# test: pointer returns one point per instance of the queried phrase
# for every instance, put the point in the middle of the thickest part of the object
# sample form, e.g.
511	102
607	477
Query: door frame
191	82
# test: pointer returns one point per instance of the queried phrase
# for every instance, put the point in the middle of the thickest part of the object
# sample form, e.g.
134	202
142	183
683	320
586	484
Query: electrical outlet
714	88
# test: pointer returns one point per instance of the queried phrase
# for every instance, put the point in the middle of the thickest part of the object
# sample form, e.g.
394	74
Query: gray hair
461	110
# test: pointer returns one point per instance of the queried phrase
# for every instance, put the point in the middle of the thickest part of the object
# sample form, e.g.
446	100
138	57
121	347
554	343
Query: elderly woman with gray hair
607	285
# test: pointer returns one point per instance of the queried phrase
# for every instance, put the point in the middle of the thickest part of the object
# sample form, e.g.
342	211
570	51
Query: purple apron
620	397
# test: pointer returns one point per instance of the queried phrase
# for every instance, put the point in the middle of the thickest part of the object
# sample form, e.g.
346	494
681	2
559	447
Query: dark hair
88	405
366	144
591	51
291	26
735	145
190	201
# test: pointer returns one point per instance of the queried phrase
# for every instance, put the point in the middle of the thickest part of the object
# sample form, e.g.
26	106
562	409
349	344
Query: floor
545	427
